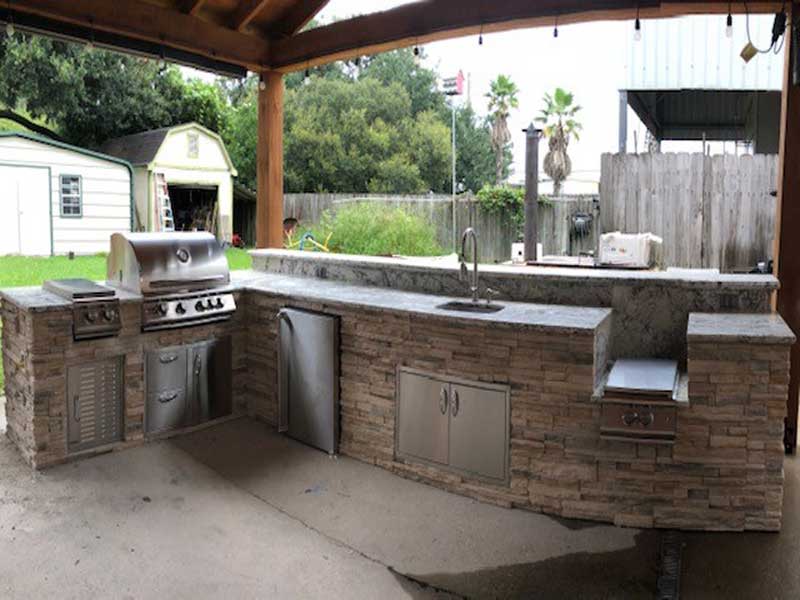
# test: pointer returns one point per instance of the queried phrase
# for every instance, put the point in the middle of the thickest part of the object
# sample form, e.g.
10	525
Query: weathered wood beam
155	24
269	162
246	12
434	20
191	7
786	256
298	17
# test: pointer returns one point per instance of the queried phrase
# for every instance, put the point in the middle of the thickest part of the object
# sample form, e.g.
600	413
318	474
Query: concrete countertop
536	316
745	328
700	278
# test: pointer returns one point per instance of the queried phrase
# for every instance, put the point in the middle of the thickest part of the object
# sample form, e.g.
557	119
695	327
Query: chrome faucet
469	232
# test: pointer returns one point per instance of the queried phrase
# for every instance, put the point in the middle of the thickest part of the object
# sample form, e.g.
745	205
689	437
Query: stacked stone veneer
724	472
38	349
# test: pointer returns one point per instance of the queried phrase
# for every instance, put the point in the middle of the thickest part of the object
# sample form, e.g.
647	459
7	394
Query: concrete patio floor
236	510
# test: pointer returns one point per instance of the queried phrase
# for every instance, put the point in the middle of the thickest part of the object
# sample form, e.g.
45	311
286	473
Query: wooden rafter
433	20
297	18
246	12
191	7
155	24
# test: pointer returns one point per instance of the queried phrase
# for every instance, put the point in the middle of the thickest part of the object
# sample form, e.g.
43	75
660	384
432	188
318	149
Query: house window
194	145
71	196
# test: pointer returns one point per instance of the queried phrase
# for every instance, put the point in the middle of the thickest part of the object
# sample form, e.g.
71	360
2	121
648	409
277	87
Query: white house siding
106	193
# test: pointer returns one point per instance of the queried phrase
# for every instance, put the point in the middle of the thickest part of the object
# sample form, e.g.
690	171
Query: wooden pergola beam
191	7
246	12
154	24
298	17
435	20
269	162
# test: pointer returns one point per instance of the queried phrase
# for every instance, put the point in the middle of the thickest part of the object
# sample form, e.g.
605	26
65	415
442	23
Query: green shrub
508	201
374	230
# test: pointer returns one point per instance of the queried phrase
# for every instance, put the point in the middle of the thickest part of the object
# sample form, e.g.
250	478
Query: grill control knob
109	314
90	316
210	304
180	309
199	307
162	309
219	303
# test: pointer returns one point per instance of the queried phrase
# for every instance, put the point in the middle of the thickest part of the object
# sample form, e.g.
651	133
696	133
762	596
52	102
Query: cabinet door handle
443	400
454	405
164	398
76	408
165	360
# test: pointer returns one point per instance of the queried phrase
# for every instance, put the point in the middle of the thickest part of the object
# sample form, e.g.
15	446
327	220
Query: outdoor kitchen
556	391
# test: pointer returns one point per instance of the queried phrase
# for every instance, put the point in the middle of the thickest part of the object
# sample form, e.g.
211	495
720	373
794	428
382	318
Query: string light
417	57
637	28
729	23
555	29
10	21
307	77
480	37
90	43
262	85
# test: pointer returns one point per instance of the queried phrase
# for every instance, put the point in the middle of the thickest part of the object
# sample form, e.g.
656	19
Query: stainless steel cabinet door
166	369
209	380
422	417
309	378
95	401
479	430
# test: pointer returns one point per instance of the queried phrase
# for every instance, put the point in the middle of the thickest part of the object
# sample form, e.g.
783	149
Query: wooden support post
532	136
787	225
269	162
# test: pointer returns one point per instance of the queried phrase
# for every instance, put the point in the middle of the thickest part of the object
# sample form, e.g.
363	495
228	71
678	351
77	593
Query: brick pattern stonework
38	349
725	472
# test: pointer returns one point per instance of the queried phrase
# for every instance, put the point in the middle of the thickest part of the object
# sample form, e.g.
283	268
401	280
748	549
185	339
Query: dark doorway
194	207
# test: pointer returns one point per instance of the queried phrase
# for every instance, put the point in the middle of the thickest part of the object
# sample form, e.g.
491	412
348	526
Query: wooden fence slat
711	211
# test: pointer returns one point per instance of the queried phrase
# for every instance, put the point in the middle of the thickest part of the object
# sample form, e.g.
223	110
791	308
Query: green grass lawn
16	271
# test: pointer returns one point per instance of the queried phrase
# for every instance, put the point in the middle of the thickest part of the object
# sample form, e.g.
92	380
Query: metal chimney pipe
532	138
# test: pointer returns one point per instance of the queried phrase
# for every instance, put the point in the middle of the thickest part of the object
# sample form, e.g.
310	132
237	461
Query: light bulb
637	30
9	29
729	27
262	85
480	40
555	32
307	78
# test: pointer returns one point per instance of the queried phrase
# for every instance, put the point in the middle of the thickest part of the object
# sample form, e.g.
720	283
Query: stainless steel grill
183	277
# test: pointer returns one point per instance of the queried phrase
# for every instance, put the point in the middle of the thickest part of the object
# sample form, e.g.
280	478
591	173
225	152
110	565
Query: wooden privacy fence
495	230
711	211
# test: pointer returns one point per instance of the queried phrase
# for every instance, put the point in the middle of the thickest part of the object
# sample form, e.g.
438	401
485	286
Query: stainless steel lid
166	263
78	290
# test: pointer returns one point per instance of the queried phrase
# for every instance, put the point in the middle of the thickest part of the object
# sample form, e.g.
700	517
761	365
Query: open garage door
25	211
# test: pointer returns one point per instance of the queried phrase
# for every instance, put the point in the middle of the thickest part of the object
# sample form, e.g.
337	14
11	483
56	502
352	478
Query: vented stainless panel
308	379
96	404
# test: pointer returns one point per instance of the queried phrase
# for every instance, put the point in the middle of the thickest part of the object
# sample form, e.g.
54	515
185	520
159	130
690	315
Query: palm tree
502	98
559	124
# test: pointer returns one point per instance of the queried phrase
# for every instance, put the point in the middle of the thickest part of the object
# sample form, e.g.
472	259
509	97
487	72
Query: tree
502	98
558	118
91	95
475	161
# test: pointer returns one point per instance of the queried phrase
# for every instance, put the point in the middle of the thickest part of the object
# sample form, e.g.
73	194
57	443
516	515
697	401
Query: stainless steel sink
472	307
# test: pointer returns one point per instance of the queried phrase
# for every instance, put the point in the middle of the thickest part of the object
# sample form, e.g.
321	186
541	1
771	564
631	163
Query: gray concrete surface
240	512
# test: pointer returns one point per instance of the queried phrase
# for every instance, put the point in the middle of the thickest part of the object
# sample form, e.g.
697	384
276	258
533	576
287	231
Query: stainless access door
209	380
308	377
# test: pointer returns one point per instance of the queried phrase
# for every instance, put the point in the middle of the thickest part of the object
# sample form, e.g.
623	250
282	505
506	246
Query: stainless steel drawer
166	410
166	369
649	422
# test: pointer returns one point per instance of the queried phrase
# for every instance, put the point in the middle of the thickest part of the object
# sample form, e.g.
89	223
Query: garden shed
183	179
56	198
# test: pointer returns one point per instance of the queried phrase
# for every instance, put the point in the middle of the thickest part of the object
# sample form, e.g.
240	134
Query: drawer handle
164	398
454	405
165	360
443	401
76	408
630	418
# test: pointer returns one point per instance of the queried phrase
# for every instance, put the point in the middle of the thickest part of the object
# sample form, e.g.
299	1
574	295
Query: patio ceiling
231	36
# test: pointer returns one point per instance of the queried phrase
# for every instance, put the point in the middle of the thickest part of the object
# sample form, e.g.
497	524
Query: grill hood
166	263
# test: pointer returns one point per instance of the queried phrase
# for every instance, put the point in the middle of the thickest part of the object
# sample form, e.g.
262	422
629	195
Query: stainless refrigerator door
309	377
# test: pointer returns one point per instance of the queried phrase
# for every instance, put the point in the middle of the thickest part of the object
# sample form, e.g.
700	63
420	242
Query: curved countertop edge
769	328
545	317
692	278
